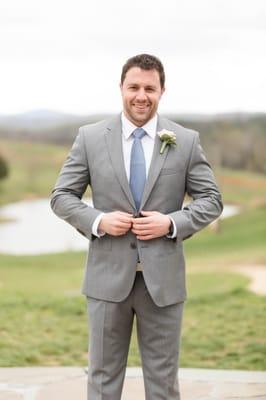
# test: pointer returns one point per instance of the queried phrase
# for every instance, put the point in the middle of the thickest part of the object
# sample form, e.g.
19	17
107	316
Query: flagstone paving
69	383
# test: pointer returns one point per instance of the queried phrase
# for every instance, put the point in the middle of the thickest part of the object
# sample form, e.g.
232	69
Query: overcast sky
67	55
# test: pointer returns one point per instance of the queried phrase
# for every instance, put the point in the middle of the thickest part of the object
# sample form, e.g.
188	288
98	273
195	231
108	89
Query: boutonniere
167	138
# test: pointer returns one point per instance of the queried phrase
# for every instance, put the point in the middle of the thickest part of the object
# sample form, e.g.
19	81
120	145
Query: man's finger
119	231
122	224
142	221
147	237
142	232
124	218
147	213
125	214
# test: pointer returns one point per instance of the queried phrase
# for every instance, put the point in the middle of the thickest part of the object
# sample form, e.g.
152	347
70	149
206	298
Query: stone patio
69	383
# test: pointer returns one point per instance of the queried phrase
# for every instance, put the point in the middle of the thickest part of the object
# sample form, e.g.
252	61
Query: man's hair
147	62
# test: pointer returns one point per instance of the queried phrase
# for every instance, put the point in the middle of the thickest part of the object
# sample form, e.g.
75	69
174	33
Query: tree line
234	141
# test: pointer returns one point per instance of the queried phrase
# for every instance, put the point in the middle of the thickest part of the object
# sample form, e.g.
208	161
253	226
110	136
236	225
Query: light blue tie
137	167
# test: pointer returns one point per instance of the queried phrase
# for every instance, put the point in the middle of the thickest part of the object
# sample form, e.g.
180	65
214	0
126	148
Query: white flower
167	138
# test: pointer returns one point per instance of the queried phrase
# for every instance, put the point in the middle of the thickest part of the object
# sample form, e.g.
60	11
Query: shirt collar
128	127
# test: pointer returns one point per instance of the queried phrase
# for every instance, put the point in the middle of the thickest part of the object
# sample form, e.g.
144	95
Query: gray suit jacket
96	159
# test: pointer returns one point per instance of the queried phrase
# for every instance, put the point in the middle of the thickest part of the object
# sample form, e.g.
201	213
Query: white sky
68	55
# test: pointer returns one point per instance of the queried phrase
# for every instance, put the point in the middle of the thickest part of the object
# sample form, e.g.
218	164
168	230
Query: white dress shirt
127	141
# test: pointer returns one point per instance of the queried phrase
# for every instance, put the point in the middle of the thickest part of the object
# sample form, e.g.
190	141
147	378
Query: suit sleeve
206	203
70	186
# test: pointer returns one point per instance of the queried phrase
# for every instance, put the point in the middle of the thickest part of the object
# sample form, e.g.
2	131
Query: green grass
44	322
33	169
244	188
241	240
42	313
224	325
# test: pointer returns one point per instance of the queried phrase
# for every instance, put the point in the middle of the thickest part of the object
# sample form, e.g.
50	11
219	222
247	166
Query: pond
35	229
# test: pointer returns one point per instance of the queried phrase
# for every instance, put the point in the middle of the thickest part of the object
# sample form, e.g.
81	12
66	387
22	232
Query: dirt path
257	273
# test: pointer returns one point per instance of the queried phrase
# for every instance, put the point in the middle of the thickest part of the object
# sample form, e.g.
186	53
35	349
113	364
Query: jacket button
133	245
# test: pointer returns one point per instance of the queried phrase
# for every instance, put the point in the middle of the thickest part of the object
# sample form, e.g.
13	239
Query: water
35	229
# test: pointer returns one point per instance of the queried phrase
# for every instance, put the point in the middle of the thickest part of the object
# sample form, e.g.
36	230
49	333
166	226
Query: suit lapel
157	162
113	139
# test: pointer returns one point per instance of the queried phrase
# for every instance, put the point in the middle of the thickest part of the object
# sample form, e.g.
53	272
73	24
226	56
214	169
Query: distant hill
29	119
44	125
235	140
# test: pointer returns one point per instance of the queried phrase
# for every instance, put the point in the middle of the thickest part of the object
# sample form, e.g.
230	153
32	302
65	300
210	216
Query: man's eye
150	90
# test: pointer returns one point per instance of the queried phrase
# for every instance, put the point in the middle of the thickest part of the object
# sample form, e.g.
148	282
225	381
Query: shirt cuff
173	235
95	230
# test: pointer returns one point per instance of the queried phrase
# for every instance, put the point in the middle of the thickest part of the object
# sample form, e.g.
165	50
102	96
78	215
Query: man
135	264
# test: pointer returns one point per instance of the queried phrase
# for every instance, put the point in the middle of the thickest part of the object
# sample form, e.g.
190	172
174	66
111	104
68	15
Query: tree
3	168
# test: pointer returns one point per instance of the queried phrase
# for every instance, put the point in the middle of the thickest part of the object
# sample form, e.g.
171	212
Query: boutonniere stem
167	138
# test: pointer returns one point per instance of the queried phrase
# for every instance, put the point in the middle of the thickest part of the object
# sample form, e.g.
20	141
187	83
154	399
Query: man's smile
141	107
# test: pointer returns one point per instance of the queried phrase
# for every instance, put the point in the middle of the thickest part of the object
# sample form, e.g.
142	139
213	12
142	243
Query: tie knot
139	133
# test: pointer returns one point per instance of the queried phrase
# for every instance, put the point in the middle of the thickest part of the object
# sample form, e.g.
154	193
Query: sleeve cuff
95	230
173	233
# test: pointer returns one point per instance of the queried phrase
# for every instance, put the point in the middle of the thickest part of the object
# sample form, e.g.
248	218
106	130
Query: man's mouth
141	107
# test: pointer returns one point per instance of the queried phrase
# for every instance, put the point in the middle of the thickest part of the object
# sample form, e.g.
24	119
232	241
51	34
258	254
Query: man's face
141	92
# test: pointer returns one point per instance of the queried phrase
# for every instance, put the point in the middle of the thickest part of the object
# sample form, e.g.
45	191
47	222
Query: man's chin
141	118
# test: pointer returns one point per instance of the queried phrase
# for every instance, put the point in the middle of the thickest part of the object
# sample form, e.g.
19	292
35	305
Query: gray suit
96	159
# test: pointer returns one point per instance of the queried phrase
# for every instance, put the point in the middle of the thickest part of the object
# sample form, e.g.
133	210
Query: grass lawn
34	168
43	316
241	240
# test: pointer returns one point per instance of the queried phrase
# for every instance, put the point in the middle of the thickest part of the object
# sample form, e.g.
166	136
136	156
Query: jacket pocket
168	171
102	243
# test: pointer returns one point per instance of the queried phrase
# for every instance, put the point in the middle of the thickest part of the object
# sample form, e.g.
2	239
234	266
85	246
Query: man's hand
152	225
116	223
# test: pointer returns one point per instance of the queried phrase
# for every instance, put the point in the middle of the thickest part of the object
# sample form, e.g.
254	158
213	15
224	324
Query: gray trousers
158	332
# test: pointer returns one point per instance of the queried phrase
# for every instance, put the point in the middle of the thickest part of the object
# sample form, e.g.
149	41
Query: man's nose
141	95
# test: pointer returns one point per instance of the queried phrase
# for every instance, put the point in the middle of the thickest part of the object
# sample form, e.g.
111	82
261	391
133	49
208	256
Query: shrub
3	168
